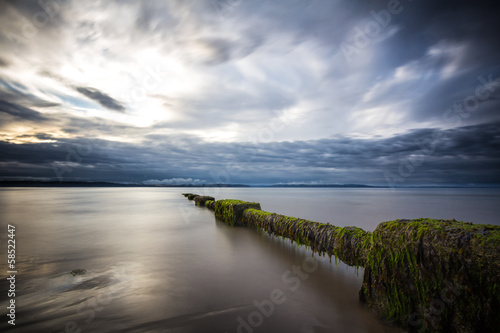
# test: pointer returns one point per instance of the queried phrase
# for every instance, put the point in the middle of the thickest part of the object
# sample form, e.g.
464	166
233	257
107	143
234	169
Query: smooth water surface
156	263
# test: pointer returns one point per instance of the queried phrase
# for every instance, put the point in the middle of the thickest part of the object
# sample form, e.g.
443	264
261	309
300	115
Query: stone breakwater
425	275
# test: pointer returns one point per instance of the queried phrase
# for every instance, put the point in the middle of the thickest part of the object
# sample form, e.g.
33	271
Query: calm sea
156	263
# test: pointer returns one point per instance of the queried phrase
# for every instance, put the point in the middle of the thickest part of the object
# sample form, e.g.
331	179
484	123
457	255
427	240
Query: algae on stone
231	211
435	275
348	243
210	204
200	200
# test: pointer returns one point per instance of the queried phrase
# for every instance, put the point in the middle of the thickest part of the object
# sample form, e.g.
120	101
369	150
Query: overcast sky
251	91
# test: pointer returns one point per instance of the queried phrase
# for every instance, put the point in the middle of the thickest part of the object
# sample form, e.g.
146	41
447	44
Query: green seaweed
348	244
230	210
210	204
411	264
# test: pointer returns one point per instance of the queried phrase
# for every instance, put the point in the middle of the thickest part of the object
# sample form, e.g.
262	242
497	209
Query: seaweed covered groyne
348	244
425	275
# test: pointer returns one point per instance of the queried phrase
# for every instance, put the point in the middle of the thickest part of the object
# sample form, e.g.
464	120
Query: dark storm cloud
463	155
462	33
472	25
17	104
425	23
21	112
100	97
432	38
94	94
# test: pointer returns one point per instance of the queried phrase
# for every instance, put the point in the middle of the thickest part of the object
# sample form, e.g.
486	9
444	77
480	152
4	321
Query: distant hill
22	183
322	185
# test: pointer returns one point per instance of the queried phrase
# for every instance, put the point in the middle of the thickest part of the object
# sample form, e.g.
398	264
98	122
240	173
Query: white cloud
175	181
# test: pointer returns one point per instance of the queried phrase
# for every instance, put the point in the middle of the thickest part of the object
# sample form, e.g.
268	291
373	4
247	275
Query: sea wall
425	275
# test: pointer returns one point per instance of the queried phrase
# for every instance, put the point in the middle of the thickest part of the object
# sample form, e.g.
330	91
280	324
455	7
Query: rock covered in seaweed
231	211
435	275
200	200
210	204
191	196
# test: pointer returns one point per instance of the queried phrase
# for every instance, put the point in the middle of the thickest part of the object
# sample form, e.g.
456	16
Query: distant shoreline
21	183
100	184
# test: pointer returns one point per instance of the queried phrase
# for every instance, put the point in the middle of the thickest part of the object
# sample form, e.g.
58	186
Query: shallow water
156	263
